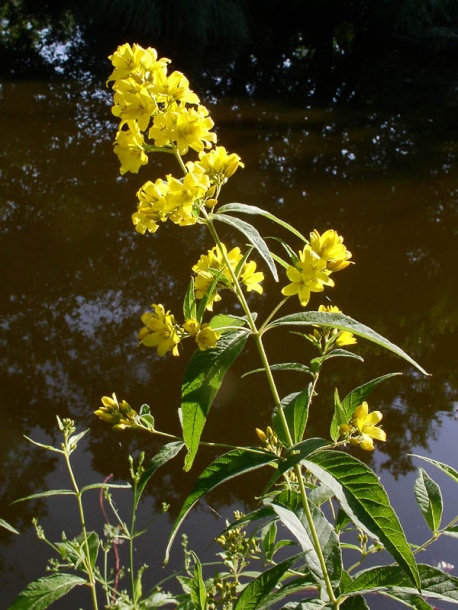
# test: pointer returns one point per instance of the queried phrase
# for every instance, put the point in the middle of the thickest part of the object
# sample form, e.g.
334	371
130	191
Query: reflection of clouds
90	316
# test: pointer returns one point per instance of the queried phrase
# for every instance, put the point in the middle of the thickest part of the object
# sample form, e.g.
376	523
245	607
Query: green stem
87	562
131	546
257	335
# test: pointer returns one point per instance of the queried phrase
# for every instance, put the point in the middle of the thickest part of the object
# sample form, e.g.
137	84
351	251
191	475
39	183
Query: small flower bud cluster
270	440
119	414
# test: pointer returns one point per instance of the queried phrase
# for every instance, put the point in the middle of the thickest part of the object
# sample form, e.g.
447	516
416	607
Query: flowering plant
321	493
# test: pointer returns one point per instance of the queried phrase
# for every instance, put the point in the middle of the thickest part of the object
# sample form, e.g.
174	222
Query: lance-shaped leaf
8	527
226	323
354	603
435	583
166	453
429	499
282	366
352	400
342	322
293	587
243	208
255	593
364	499
328	541
198	590
296	409
189	302
203	378
445	468
224	468
254	238
41	593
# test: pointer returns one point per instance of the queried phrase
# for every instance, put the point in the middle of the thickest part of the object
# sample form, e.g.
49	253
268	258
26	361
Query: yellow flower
308	275
345	337
184	127
173	88
218	164
191	326
135	61
192	129
330	248
251	278
129	148
136	104
365	426
214	260
207	337
160	331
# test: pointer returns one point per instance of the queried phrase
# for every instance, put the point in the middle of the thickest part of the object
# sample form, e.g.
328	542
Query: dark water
76	278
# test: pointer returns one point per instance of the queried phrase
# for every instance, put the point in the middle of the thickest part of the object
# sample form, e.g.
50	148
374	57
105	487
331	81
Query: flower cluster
161	331
159	112
362	428
212	270
314	265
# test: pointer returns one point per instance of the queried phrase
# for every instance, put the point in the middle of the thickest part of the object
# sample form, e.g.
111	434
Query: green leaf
327	537
224	468
294	587
357	396
338	418
435	583
363	498
255	593
189	303
268	537
203	378
8	527
47	447
446	469
253	236
41	593
352	400
336	353
198	590
411	600
76	552
307	604
354	603
296	409
429	500
243	208
166	453
283	366
224	323
105	486
46	494
451	531
342	322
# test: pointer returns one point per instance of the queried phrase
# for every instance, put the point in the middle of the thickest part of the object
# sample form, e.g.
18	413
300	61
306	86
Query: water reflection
76	277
